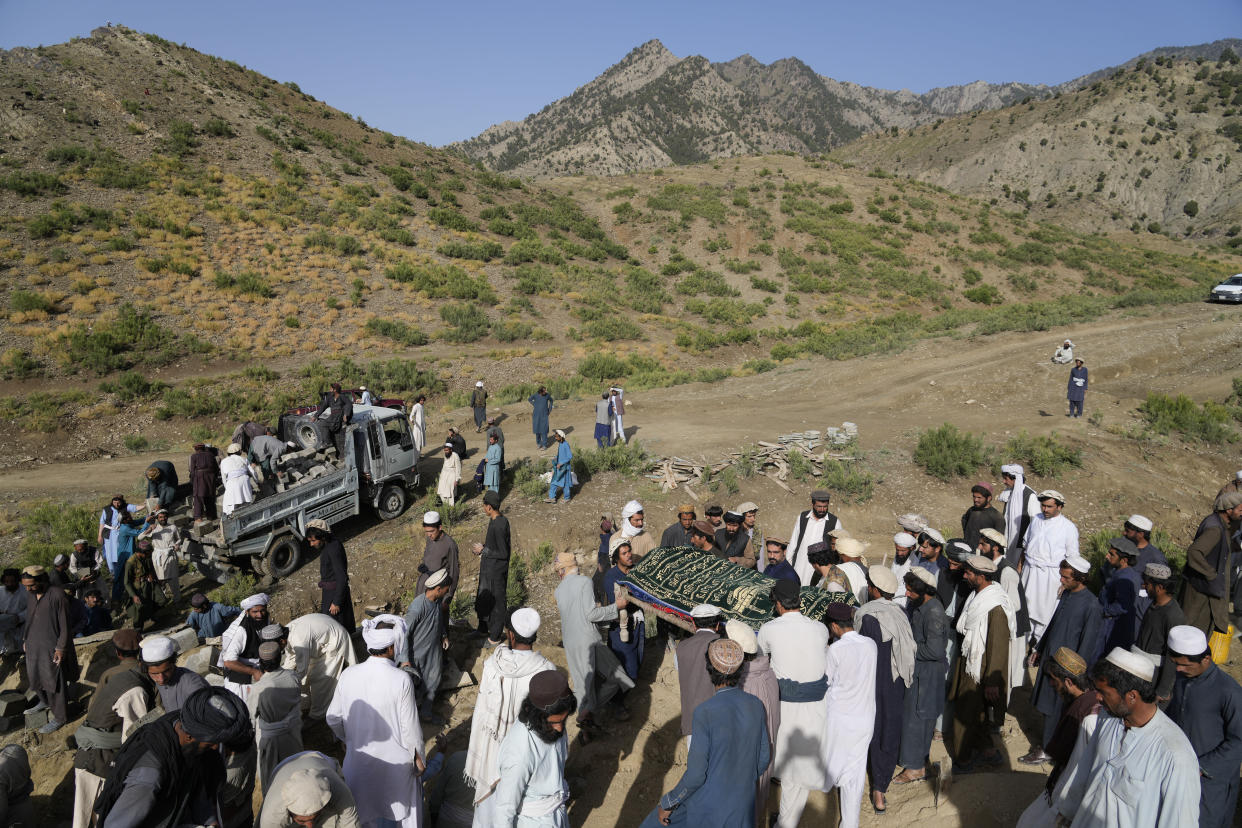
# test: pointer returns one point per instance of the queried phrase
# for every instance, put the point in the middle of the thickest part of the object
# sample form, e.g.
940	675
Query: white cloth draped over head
973	625
894	627
382	639
1013	514
628	530
258	600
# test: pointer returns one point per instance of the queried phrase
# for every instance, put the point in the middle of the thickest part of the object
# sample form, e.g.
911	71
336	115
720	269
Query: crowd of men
932	641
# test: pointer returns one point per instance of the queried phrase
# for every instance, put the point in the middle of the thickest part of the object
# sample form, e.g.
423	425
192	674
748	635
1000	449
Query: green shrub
49	528
466	323
986	294
628	458
1043	456
512	331
766	285
31	183
132	385
946	453
236	589
1206	423
218	128
133	337
19	364
396	330
525	477
848	480
483	251
136	442
613	329
442	281
602	366
543	556
28	300
245	282
453	220
515	590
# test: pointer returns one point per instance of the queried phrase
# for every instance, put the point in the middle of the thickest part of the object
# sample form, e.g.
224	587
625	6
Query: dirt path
997	385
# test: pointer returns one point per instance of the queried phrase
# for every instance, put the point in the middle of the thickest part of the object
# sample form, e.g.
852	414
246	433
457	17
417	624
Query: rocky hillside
653	109
1153	148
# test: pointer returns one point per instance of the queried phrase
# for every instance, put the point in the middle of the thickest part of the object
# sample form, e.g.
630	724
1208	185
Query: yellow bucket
1219	645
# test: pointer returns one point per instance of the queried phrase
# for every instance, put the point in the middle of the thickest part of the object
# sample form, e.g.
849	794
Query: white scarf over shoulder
502	689
973	625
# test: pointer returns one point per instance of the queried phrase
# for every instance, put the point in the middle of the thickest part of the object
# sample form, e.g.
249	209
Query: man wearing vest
1020	506
239	646
124	696
992	546
811	527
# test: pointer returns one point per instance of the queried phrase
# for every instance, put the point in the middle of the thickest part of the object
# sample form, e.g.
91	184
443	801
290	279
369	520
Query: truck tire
282	560
312	434
392	501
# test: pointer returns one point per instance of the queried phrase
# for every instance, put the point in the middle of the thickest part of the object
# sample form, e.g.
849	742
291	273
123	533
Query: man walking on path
541	407
561	470
1076	391
478	403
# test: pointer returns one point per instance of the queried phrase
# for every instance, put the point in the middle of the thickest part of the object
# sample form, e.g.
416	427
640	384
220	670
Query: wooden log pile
771	459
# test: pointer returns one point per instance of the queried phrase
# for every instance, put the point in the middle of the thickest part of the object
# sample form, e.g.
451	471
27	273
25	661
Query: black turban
216	715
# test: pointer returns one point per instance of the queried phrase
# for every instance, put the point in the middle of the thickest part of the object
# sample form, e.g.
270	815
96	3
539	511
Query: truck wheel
283	559
391	501
312	434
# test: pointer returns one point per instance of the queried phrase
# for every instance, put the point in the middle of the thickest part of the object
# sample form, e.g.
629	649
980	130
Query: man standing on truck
340	408
333	574
204	477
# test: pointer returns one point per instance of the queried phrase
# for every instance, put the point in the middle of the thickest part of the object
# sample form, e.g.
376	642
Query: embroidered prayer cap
126	639
1158	571
1073	663
269	651
883	579
272	632
525	621
705	611
993	536
1012	469
703	528
453	430
981	564
1125	546
778	541
1139	522
33	571
431	519
912	523
257	600
743	508
923	575
1186	640
822	495
1238	475
491	498
725	655
632	508
1051	494
839	533
60	560
378	639
742	633
565	560
1229	500
306	792
850	547
685	509
841	613
547	687
234	448
436	578
982	487
320	524
158	649
934	535
1078	563
616	542
1135	665
142	545
905	540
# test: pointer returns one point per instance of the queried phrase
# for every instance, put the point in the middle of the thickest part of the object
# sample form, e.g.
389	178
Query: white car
1229	290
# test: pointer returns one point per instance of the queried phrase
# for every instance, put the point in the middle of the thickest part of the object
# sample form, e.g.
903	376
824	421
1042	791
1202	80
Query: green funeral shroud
675	579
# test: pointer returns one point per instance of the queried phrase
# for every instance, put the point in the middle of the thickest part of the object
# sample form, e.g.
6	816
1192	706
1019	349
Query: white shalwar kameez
1133	776
1011	582
850	721
374	714
237	482
317	650
1048	542
450	475
857	576
797	648
418	426
532	792
900	570
232	642
502	689
798	544
1042	813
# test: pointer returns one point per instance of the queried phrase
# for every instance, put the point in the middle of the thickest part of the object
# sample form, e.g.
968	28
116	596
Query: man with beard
140	586
1075	626
1051	538
531	760
904	559
924	700
1205	594
1139	768
1067	672
239	646
374	713
166	543
1021	507
335	598
123	696
175	684
633	522
734	542
981	515
490	606
170	772
885	623
51	662
450	475
728	756
811	527
627	637
679	533
759	681
427	640
1207	706
777	566
1161	617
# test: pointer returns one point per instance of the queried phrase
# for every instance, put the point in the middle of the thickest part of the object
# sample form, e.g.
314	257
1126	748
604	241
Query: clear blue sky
444	71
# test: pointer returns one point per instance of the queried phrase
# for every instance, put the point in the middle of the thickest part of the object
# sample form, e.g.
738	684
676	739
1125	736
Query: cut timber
780	483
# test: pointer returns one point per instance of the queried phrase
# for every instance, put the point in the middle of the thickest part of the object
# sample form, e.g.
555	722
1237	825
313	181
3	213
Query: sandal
905	778
879	809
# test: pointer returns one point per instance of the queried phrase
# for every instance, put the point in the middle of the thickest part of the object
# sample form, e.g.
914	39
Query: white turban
631	508
905	540
377	639
257	600
1013	469
629	530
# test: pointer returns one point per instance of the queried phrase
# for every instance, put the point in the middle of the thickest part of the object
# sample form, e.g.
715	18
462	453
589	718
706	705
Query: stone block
199	660
214	680
13	703
36	720
11	723
185	639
